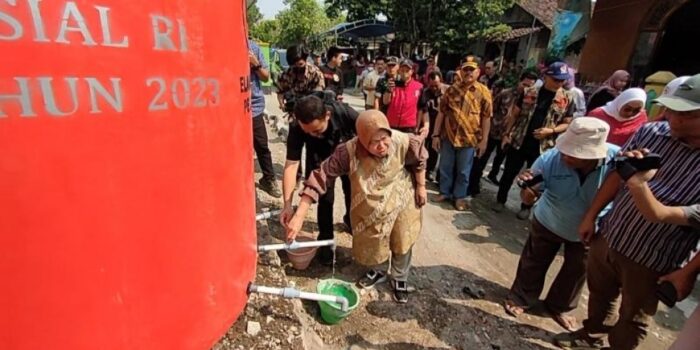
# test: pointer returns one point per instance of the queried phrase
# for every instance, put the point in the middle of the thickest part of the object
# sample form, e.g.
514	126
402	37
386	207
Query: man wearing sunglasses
535	121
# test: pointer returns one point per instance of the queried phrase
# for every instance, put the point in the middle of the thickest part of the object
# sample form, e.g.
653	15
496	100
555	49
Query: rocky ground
478	249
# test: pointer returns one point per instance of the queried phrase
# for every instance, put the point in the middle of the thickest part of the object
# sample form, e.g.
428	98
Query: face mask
299	70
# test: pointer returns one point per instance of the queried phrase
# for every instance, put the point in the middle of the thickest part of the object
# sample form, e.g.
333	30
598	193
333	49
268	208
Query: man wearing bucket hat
536	119
630	253
387	173
570	177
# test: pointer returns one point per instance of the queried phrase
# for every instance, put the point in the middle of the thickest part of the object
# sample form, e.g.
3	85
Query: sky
270	8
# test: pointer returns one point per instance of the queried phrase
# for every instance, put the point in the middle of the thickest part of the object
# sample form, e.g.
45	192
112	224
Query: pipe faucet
291	293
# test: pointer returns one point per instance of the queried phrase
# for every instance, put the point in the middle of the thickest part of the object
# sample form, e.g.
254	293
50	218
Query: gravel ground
478	248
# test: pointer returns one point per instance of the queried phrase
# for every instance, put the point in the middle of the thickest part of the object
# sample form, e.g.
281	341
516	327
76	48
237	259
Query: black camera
627	167
667	293
530	183
400	83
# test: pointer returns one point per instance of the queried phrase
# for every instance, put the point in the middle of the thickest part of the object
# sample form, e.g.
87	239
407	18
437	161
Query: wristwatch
257	67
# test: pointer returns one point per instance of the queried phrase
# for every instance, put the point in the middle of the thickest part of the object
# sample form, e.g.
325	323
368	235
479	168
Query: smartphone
650	161
532	182
667	293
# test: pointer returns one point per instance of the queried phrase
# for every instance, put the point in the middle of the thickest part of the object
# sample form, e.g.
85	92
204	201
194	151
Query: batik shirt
463	107
301	84
501	108
561	107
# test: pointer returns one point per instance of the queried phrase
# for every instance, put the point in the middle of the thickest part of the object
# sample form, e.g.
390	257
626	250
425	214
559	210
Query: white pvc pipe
293	293
296	245
267	214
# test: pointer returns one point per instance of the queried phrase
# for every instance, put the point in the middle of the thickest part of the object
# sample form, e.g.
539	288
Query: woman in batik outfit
387	175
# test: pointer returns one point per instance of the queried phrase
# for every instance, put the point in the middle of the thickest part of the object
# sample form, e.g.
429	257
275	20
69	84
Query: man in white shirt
369	82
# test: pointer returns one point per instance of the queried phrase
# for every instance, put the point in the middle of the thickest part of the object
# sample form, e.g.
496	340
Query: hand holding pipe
267	214
296	245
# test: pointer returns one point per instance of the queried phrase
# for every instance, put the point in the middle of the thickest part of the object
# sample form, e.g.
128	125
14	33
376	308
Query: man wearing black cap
392	69
535	121
403	98
460	132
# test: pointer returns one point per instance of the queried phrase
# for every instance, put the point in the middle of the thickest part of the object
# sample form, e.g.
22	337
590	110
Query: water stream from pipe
333	247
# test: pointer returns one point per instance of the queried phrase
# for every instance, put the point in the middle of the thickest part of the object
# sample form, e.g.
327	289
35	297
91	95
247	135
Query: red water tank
126	173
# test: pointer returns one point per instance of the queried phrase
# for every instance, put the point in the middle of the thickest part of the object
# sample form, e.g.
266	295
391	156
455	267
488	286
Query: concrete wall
612	37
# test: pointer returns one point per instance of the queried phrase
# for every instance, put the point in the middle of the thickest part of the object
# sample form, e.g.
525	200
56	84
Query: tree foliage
357	9
449	25
300	22
267	30
303	19
253	15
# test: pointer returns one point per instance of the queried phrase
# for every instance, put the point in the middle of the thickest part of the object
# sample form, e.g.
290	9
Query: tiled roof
543	10
514	34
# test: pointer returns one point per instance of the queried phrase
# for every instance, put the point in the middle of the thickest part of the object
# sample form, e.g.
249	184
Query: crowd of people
623	229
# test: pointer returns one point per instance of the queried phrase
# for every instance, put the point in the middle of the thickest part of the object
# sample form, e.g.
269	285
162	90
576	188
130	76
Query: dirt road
478	248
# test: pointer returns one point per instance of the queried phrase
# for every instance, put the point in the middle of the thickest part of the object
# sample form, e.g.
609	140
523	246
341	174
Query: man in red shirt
402	97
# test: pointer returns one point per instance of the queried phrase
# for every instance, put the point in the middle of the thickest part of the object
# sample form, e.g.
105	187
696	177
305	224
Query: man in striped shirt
629	253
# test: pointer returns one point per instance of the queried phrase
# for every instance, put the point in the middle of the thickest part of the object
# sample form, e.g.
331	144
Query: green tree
357	9
302	20
472	20
253	15
447	25
267	30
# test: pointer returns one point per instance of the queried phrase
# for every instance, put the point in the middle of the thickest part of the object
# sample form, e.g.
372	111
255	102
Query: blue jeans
455	166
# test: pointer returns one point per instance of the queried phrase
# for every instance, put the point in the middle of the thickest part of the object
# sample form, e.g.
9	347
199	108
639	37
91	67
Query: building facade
643	37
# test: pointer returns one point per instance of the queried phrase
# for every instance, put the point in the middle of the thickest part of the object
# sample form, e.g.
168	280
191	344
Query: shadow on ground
443	313
496	228
440	307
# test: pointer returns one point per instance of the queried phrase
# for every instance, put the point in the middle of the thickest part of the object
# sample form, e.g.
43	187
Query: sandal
578	340
512	308
441	198
461	205
371	279
565	321
400	292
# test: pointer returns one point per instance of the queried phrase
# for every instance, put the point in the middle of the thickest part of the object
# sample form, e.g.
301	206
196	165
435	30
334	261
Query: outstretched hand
294	227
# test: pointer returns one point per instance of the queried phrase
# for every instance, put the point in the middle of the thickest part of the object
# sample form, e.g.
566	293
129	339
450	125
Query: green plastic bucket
331	312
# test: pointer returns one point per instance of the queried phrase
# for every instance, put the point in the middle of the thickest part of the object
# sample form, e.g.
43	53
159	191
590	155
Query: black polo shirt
334	79
341	128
